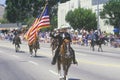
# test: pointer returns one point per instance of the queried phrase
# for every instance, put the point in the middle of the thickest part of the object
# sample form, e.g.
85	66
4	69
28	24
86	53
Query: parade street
92	65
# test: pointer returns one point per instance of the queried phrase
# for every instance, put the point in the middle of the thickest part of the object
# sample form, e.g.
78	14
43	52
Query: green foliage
19	10
24	10
111	13
82	18
53	22
2	21
29	21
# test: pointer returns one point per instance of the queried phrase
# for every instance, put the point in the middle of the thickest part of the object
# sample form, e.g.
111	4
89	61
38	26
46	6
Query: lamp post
98	24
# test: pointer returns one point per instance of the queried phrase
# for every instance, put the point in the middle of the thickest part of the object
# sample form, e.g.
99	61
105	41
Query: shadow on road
20	52
39	57
73	79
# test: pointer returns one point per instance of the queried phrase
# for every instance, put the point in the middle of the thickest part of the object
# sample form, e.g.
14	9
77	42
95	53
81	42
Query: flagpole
43	9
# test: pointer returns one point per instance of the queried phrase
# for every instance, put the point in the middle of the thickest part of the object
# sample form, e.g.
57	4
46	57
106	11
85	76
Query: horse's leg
65	71
93	47
98	47
101	48
90	46
35	51
30	49
15	48
59	69
31	52
68	65
58	65
64	65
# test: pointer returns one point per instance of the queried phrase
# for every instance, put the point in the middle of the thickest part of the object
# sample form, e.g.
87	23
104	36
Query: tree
2	21
23	10
19	10
82	18
111	13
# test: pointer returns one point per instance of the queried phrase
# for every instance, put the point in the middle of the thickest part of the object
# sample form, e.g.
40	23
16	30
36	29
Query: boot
53	61
74	60
55	57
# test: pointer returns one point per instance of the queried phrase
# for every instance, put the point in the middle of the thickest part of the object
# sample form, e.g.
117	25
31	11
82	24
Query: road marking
100	64
33	63
81	54
53	72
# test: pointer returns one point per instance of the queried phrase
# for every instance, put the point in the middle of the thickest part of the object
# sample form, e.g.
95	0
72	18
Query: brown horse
34	47
65	59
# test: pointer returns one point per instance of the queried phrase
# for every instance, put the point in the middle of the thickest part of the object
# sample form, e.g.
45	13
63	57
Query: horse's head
66	41
65	47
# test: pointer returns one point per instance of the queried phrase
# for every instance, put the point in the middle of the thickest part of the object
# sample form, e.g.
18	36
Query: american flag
44	21
39	23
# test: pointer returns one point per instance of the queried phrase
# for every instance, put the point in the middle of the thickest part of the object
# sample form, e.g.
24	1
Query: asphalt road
91	65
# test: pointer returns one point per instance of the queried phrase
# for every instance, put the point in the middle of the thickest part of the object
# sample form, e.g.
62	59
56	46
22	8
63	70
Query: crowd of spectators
79	37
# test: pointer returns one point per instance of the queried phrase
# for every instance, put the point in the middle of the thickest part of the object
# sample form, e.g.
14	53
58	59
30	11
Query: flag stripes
44	22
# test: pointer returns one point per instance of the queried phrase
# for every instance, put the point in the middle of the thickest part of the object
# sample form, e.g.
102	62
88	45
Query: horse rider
92	35
63	34
17	40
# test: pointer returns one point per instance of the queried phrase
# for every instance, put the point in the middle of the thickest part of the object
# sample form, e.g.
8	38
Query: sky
2	2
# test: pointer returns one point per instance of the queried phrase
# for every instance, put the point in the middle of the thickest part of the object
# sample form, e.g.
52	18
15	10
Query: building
63	8
10	26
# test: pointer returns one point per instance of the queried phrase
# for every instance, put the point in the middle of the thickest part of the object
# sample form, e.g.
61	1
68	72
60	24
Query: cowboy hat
64	27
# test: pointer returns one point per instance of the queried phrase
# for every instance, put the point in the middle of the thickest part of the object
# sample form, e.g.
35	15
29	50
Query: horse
54	44
99	43
64	59
106	40
34	47
17	42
